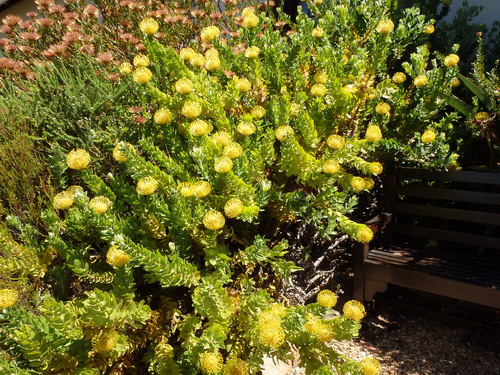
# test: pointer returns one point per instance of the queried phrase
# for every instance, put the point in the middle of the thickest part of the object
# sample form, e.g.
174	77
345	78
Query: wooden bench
439	233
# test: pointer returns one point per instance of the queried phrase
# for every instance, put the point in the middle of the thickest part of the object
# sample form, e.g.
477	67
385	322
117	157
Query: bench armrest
379	222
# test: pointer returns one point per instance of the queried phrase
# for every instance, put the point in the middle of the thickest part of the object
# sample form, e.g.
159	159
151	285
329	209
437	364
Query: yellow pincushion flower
455	82
326	298
364	234
399	77
100	204
252	52
199	127
78	159
125	68
429	29
105	341
385	27
243	85
318	89
354	310
233	208
268	317
211	53
74	189
318	2
428	137
258	112
198	60
214	220
373	133
376	168
187	53
250	20
202	189
447	3
370	366
233	150
319	329
330	166
211	363
221	138
116	257
272	336
184	86
142	75
335	141
246	128
191	109
149	26
283	132
209	33
320	77
421	81
118	155
141	60
246	11
236	366
317	32
451	60
146	186
163	116
212	63
383	108
357	184
186	189
481	116
369	183
8	297
63	200
223	164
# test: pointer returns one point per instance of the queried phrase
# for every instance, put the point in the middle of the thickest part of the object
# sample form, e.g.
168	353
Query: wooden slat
448	194
458	176
447	236
447	213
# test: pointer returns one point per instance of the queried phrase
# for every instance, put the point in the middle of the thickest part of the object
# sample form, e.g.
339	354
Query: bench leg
372	287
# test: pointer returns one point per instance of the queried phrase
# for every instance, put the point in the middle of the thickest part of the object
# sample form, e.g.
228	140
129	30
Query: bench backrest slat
449	194
456	176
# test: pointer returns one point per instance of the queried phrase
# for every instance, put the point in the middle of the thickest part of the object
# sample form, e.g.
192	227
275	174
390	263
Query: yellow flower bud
8	297
199	127
211	363
125	68
320	77
447	3
236	366
357	184
369	183
250	20
373	133
421	81
223	164
326	298
197	60
63	200
258	112
214	220
142	75
429	136
335	141
451	60
202	189
318	2
105	342
455	82
221	138
243	85
354	310
376	168
429	29
318	89
246	128
78	159
116	257
141	60
399	77
252	52
330	166
146	186
385	27
209	33
481	116
246	11
233	208
162	116
184	86
186	189
212	63
294	108
187	53
370	366
149	26
233	150
100	204
283	132
191	109
317	32
118	155
74	189
383	108
211	53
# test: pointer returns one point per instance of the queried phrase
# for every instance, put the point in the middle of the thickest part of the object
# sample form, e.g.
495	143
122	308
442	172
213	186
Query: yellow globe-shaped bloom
125	68
116	257
481	116
63	200
455	82
373	133
233	150
385	27
202	189
243	85
236	366
451	60
209	33
149	26
100	204
187	53
330	166
376	168
252	52
370	366
198	60
78	159
317	32
186	189
399	77
335	141
320	77
211	363
369	183
283	132
383	108
364	234
318	89
318	2
223	164
221	138
191	109
233	208
258	112
429	29
246	128
323	332
246	11
118	154
272	336
105	342
141	60
326	298
357	184
429	136
74	189
142	75
421	81
8	297
211	53
250	20
214	220
146	186
184	86
163	116
200	127
354	310
294	109
212	63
